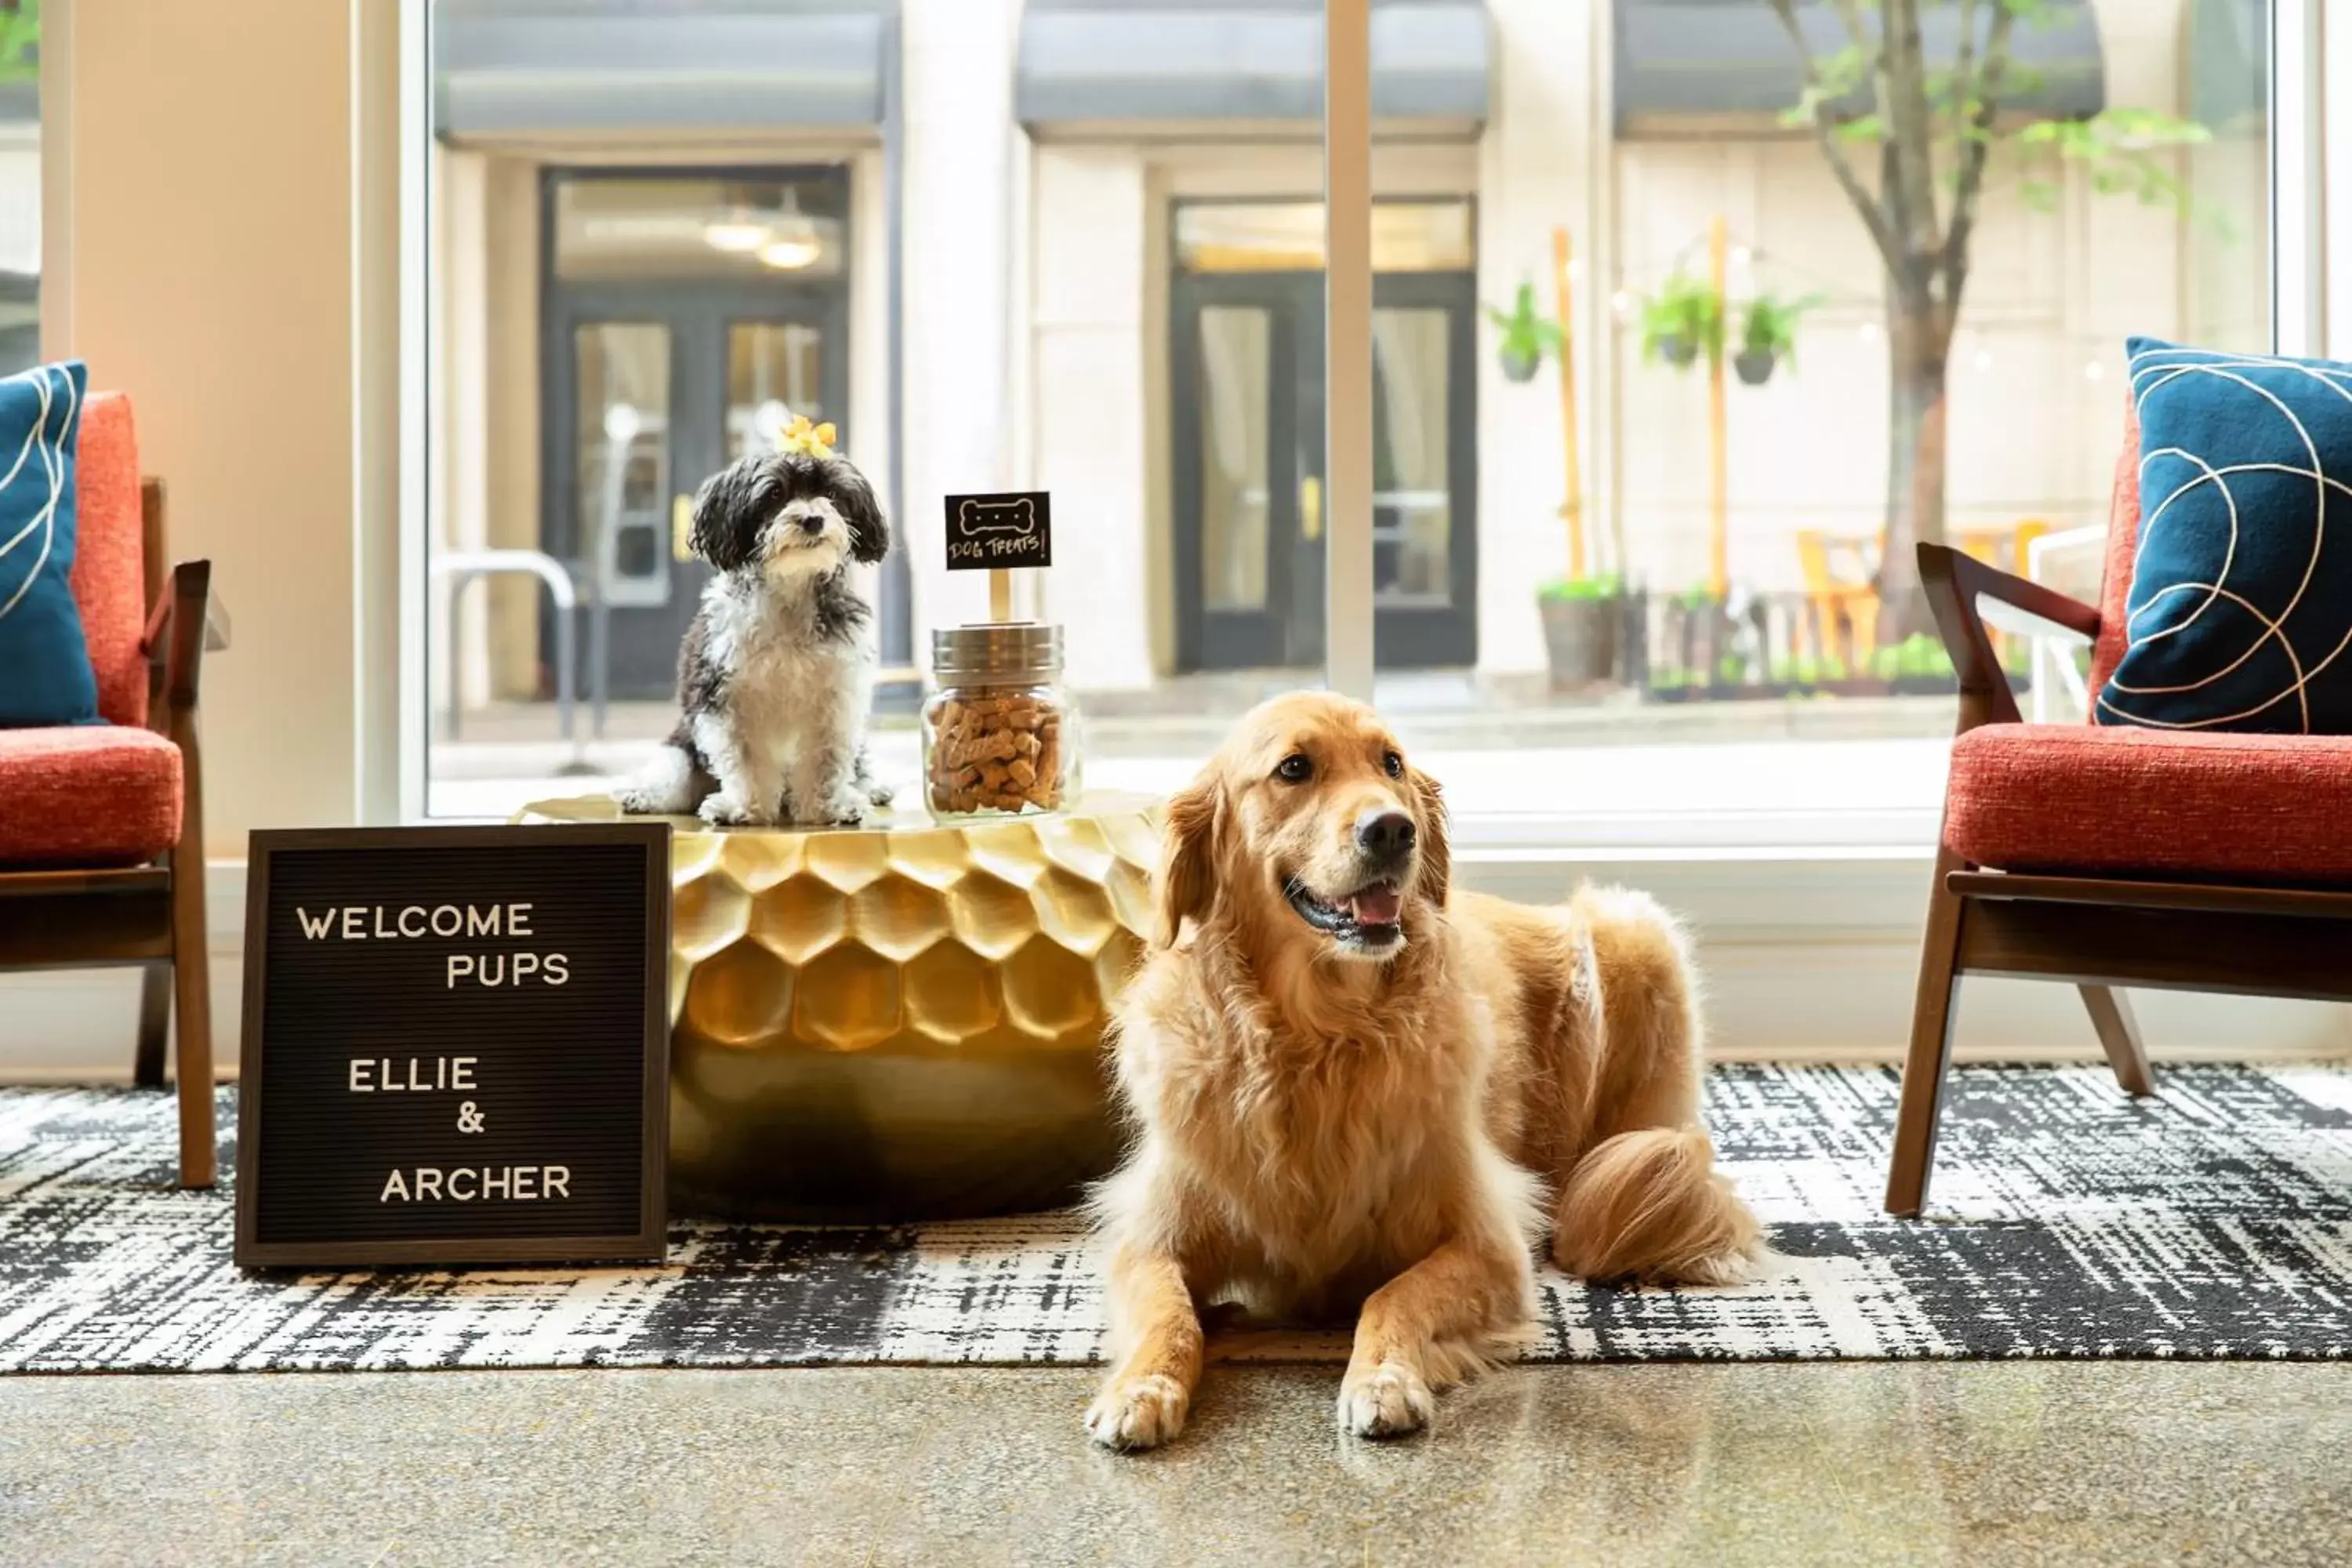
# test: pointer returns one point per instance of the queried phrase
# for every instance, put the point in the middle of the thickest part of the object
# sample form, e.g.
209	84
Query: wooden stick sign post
996	533
455	1046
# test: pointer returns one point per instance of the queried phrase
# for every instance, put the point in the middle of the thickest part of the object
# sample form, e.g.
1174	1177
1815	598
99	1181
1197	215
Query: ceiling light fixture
792	255
793	242
738	234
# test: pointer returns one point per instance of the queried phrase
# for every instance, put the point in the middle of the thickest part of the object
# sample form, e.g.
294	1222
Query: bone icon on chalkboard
978	516
998	533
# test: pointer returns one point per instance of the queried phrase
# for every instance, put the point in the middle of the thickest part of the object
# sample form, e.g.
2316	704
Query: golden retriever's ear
1436	848
1188	865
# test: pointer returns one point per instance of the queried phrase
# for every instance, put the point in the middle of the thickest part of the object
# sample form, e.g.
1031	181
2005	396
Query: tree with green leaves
1938	127
20	40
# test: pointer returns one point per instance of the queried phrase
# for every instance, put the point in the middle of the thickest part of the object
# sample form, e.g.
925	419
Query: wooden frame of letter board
650	1240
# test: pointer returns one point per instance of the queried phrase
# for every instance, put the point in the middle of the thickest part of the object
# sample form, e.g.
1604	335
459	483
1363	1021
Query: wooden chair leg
1931	1046
192	988
154	1021
2111	1014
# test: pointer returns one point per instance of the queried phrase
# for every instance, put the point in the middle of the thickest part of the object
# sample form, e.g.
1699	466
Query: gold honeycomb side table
896	1022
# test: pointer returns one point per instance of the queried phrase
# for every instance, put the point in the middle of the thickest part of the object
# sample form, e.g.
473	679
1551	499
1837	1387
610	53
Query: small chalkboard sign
455	1046
996	532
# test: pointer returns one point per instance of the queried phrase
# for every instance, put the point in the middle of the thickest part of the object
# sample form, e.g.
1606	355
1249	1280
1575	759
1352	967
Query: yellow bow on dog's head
802	439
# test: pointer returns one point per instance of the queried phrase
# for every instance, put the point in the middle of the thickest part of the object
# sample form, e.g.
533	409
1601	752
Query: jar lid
997	651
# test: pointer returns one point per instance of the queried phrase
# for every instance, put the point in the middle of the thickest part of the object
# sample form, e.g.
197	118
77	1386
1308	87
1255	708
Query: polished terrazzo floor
1983	1464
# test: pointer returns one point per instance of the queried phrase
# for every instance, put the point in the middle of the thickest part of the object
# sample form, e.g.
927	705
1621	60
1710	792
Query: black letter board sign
455	1046
993	533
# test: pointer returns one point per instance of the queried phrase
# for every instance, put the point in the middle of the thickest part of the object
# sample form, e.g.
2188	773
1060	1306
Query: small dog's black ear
729	511
869	533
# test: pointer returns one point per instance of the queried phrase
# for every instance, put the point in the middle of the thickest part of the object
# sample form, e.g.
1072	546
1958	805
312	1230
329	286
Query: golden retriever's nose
1384	835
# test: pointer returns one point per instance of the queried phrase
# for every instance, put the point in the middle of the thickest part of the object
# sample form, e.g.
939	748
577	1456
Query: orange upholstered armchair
2105	857
101	826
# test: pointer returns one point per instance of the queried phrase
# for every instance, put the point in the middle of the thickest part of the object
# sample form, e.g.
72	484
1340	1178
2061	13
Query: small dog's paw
1136	1412
881	795
722	811
1389	1401
844	808
635	802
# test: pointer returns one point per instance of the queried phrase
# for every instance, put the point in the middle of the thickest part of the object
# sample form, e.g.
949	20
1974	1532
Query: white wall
958	160
209	263
204	251
1537	169
20	198
1087	286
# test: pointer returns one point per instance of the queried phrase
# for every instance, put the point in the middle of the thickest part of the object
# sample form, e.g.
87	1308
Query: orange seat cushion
96	794
2130	802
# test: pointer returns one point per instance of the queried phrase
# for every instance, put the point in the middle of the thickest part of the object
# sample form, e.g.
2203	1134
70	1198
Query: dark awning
570	66
1681	61
1112	61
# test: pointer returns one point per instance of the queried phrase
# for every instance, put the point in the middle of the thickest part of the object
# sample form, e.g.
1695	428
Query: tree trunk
1919	342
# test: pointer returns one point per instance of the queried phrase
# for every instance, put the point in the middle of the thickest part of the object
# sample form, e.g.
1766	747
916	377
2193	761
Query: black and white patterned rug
2215	1220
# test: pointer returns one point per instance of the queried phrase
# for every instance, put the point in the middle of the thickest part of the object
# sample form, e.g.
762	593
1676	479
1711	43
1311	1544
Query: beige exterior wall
2037	377
1089	334
20	197
1542	163
959	153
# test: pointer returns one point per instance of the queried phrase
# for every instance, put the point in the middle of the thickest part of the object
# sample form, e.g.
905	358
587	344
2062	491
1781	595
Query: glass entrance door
1247	373
657	387
689	316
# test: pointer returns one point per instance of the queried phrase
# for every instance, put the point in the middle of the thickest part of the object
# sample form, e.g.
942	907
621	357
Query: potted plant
1918	664
1682	319
1579	622
1525	336
1769	335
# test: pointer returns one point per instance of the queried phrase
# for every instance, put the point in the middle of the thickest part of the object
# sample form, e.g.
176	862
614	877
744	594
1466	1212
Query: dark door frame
1265	638
1418	637
1289	631
697	313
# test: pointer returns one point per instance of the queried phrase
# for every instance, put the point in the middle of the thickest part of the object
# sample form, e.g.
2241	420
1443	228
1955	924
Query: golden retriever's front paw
1389	1401
1138	1412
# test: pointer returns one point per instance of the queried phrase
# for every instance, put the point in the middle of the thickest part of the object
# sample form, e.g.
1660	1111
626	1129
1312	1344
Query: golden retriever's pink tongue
1377	907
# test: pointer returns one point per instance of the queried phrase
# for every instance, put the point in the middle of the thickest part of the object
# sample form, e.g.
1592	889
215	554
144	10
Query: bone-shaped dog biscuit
975	518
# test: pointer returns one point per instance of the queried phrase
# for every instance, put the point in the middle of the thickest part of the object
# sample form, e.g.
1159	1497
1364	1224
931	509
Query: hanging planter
1680	320
1768	335
1525	337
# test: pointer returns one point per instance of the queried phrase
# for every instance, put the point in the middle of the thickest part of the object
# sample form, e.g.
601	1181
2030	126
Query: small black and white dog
775	676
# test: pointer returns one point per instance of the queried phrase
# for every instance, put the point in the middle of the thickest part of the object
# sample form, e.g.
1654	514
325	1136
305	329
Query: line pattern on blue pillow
20	549
2253	630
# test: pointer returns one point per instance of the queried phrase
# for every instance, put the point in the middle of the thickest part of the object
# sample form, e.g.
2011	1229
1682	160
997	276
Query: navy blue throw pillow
2241	606
45	674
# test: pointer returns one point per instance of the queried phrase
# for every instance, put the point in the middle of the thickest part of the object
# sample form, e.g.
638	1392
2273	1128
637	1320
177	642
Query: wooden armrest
179	629
1954	581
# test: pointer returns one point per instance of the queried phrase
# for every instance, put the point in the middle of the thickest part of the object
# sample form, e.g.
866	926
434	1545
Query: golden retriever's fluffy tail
1649	1206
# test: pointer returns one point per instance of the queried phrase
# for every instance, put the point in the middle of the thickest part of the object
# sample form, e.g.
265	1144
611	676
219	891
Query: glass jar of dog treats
1001	734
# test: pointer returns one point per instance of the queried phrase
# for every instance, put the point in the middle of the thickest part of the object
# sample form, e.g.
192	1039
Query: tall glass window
1653	439
20	185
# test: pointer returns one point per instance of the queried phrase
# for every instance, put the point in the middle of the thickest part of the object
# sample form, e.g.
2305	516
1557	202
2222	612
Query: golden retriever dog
1354	1090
